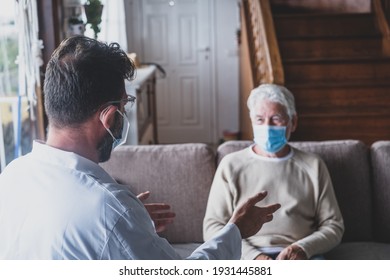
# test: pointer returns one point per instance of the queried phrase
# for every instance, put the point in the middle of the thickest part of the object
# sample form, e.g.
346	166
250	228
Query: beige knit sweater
300	182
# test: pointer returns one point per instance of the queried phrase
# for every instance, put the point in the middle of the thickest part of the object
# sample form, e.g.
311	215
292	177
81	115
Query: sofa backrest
180	175
349	168
380	158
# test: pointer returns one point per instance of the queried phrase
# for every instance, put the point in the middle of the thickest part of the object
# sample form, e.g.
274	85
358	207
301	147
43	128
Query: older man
58	203
309	222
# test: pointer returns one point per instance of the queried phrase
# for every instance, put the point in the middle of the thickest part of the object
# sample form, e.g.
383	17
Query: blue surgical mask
124	132
270	138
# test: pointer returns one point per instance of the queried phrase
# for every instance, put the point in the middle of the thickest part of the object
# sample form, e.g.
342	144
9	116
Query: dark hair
82	75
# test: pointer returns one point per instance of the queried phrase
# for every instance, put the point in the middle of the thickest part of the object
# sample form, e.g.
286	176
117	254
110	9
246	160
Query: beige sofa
181	175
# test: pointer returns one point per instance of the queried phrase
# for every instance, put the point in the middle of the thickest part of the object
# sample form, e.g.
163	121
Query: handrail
266	64
386	9
381	9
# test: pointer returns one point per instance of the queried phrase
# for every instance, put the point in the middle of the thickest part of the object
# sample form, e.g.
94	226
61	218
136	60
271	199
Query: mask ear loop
103	112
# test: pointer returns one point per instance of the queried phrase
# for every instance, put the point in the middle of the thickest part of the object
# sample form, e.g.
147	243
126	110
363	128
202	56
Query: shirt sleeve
134	237
225	245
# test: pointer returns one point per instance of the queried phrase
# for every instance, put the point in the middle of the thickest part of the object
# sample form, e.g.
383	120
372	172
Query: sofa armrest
380	160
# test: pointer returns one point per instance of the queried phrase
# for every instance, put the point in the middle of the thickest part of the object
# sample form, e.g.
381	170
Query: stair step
342	110
342	100
336	70
337	85
330	47
325	25
301	6
333	127
378	58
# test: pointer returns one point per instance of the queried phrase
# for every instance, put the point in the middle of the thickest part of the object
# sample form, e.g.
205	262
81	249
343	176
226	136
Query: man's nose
267	121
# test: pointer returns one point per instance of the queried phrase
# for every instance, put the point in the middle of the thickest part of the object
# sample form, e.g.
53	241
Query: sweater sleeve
220	205
329	221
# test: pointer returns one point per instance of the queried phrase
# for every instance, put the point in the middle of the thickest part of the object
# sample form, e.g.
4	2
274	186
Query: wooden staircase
336	66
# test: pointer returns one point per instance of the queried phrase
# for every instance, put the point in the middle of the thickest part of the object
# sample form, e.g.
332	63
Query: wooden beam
49	20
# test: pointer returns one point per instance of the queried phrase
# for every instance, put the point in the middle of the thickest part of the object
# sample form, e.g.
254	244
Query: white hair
274	93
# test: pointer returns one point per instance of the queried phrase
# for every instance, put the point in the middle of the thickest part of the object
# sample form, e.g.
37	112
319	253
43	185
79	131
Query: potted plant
93	11
75	26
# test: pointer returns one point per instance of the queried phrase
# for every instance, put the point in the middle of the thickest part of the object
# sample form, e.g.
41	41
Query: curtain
114	23
22	101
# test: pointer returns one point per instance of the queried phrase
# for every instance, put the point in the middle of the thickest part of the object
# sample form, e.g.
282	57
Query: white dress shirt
58	205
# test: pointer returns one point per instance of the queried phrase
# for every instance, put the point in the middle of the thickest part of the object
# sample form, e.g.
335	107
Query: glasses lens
131	100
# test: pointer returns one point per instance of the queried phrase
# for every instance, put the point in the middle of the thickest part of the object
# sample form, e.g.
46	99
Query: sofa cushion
348	164
380	160
179	175
360	251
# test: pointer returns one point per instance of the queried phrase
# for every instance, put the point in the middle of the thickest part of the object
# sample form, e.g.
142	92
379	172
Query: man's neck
74	140
282	153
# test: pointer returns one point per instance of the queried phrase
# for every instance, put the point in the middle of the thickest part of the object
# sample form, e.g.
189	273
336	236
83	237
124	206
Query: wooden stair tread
323	15
339	60
326	25
369	83
346	37
330	47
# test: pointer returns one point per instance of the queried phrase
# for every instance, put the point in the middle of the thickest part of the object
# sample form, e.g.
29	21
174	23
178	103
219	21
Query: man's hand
158	212
292	252
249	218
263	257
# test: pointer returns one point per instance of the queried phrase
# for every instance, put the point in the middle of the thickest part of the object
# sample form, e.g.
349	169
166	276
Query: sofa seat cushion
180	175
360	251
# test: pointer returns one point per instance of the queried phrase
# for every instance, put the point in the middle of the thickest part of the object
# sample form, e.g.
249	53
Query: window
18	78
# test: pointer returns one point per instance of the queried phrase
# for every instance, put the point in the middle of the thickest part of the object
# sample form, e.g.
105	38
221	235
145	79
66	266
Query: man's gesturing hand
159	212
249	218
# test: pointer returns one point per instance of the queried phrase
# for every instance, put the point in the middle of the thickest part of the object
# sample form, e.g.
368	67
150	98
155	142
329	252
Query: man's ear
107	116
294	123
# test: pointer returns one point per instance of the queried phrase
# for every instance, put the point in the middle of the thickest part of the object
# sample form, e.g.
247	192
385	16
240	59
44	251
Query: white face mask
124	132
270	138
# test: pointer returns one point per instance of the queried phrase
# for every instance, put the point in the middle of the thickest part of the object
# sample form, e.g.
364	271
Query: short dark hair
82	75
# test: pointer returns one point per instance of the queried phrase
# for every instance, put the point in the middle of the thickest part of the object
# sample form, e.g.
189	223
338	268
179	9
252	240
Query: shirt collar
71	160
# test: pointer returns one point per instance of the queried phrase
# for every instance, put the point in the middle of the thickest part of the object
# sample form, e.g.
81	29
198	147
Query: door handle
205	49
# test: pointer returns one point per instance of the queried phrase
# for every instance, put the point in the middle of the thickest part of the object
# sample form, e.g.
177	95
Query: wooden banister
265	60
381	8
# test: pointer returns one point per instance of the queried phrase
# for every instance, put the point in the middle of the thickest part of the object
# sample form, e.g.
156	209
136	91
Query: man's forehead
269	107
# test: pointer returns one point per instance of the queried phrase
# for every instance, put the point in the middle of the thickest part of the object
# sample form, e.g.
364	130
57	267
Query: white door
176	35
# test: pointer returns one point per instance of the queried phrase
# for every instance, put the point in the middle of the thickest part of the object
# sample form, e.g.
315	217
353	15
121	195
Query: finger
267	211
162	216
268	218
272	208
256	198
282	255
287	253
157	206
143	196
163	222
162	226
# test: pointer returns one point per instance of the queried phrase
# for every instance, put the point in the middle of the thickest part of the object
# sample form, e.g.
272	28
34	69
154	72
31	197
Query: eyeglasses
128	99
